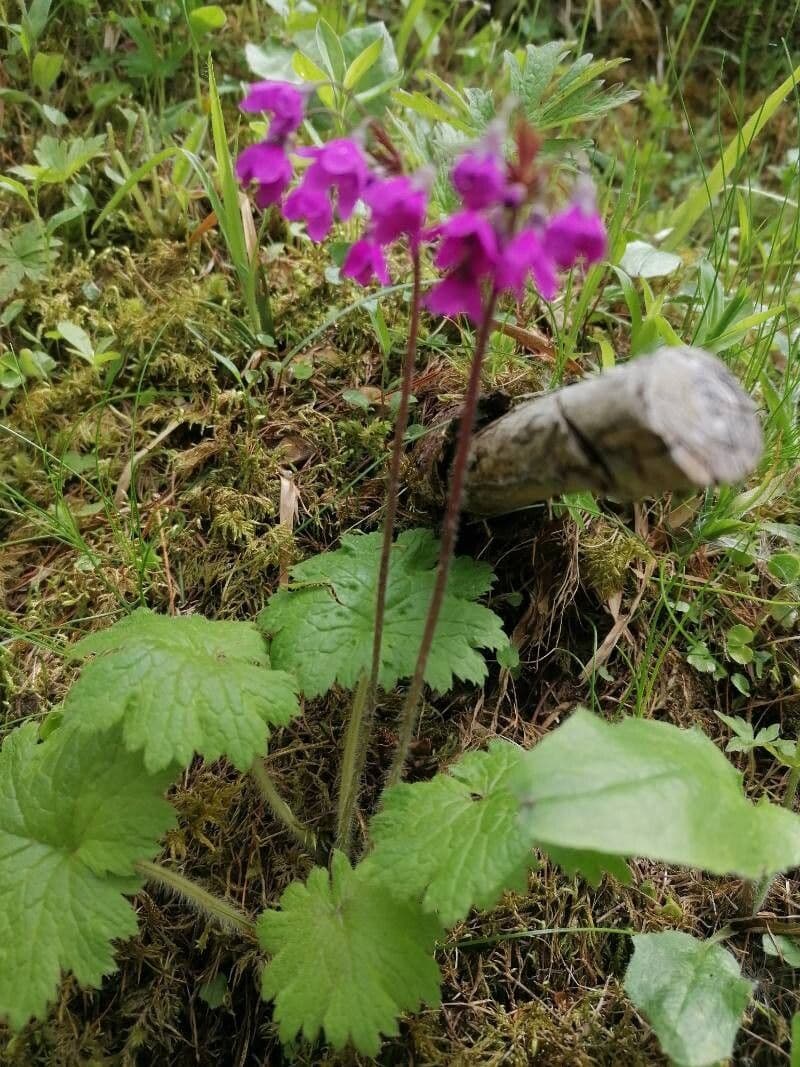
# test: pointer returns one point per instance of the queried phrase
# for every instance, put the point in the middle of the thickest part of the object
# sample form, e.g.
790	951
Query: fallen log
674	420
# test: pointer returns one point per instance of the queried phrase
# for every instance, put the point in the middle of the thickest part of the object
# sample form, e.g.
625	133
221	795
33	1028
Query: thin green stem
227	915
364	702
280	809
410	710
352	766
520	935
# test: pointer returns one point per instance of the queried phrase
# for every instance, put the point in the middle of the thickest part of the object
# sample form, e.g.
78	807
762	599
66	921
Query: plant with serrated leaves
351	946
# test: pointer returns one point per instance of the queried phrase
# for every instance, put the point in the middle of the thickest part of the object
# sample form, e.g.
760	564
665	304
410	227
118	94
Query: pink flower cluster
495	243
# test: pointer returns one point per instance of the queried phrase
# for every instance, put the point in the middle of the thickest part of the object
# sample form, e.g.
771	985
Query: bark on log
676	419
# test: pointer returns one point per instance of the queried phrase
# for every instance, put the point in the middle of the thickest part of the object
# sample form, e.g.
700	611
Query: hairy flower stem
450	525
763	887
227	915
280	809
352	765
356	745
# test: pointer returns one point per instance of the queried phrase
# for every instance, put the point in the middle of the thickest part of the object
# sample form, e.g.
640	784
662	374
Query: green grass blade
702	195
133	180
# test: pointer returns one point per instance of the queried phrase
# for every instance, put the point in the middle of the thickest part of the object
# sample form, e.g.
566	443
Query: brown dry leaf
294	449
288	510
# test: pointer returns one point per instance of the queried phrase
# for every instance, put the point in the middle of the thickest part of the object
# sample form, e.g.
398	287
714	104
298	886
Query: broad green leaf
45	68
206	19
363	63
78	338
692	994
453	842
347	958
383	74
322	626
786	949
76	813
271	61
650	789
642	260
330	49
591	866
182	685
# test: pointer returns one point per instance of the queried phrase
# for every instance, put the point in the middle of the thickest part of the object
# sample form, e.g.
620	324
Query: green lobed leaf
591	866
453	842
182	685
76	813
322	627
347	958
643	788
692	993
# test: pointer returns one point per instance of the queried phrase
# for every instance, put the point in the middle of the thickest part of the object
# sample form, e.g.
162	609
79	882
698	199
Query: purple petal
576	234
284	100
467	238
480	180
314	207
364	261
268	165
398	208
457	293
525	254
339	166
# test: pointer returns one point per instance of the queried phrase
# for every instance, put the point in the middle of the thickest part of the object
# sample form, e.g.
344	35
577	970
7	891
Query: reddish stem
450	525
393	481
362	722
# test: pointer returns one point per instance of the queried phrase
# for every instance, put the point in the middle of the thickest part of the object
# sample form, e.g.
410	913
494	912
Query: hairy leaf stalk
359	725
280	809
227	915
410	710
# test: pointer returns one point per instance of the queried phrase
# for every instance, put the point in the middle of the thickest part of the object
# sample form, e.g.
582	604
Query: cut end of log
677	419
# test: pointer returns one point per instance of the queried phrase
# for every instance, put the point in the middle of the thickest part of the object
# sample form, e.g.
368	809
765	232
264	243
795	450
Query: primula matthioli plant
500	240
352	946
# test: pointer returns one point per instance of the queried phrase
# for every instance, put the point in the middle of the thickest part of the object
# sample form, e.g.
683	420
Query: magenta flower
268	165
338	166
365	261
523	255
576	233
398	207
468	251
312	205
480	180
285	101
466	239
459	292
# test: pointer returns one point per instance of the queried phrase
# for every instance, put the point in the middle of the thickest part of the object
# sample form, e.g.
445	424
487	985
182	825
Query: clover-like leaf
692	993
650	789
453	842
76	813
182	685
322	627
347	958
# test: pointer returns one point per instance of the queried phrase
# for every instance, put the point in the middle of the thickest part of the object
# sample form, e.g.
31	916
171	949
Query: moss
607	552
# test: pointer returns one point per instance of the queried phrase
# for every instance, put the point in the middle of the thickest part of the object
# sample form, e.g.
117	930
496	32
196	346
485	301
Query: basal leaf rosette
322	627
